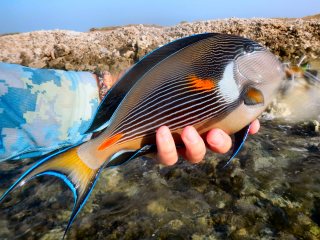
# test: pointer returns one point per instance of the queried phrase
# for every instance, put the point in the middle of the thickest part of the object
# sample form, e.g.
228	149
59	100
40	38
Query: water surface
270	191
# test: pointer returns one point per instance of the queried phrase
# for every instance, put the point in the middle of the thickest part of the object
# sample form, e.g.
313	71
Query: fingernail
192	136
216	139
165	135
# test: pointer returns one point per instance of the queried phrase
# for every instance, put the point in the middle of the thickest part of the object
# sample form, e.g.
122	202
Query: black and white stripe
166	96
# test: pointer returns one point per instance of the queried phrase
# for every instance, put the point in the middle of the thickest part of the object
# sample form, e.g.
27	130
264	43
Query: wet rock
316	125
202	237
176	224
312	126
5	232
240	234
315	231
53	234
307	128
156	208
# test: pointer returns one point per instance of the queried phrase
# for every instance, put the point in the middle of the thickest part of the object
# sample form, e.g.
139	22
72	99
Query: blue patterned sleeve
42	110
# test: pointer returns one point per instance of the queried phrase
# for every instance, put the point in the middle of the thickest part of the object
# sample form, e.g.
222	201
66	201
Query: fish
208	80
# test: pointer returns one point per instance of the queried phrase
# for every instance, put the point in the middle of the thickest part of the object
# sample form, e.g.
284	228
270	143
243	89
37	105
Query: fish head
251	78
258	74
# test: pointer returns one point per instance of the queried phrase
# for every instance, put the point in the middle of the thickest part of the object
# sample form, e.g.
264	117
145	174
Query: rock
176	224
316	125
4	228
156	208
311	126
121	47
315	231
53	234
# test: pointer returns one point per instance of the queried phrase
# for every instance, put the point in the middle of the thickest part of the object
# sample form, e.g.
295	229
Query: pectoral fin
239	139
253	96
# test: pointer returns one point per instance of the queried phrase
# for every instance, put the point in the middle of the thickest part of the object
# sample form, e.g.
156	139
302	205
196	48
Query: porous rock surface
118	48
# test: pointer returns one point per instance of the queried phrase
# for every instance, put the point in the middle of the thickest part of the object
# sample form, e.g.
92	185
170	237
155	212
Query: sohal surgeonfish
206	80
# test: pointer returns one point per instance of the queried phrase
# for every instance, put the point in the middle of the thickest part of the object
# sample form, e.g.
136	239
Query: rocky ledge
115	49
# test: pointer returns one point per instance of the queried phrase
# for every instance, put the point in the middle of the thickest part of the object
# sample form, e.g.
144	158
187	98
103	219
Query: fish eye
248	48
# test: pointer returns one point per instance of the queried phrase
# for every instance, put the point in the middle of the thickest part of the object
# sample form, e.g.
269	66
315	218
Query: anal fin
125	156
67	166
239	139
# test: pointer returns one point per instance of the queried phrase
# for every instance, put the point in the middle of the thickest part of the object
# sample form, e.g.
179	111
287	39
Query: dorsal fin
116	94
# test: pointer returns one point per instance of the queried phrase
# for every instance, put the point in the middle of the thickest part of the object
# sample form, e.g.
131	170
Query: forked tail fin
67	166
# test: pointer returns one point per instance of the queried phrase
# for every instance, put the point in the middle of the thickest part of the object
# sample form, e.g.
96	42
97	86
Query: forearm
42	110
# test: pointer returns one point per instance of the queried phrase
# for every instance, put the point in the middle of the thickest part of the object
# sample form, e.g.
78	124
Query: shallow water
270	191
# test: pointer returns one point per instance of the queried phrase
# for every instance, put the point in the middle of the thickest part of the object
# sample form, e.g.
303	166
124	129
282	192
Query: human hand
195	147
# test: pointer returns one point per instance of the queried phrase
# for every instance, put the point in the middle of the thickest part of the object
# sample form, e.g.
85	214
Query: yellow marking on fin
69	167
202	84
109	141
255	95
70	163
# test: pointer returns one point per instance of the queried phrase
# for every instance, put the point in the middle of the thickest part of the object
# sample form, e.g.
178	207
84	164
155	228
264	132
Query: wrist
104	81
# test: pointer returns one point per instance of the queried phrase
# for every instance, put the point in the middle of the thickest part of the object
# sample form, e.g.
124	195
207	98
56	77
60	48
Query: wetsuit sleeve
42	110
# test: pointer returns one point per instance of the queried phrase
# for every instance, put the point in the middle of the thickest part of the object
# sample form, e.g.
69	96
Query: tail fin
67	166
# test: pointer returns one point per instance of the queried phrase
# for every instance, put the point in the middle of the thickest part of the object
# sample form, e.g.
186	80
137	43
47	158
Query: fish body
192	88
206	80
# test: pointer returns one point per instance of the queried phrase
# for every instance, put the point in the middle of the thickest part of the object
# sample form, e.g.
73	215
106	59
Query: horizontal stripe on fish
173	81
211	110
184	100
160	94
148	109
197	63
163	90
174	125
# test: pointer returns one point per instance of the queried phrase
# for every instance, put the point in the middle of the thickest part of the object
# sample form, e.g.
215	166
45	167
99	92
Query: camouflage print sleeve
42	110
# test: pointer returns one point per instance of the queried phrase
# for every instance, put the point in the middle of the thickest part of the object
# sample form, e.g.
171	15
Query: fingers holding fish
254	127
218	141
195	146
193	152
167	152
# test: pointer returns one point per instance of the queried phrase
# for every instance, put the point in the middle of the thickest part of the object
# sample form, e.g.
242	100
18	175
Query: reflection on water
271	191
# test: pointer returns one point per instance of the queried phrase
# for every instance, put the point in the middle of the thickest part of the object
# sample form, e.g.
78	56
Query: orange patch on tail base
109	141
201	84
